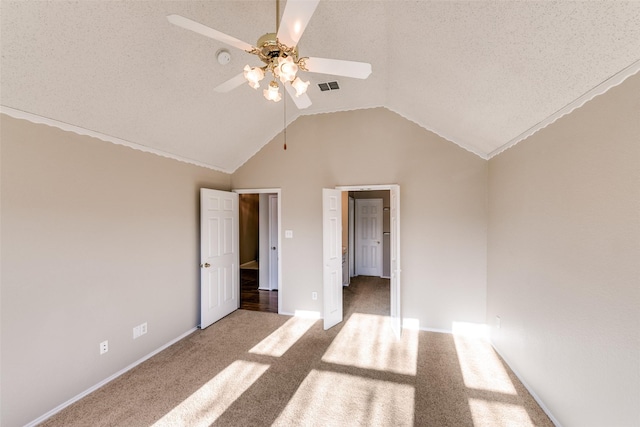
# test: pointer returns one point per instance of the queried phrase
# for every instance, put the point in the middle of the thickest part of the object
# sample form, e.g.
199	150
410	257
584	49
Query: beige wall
443	207
564	260
96	239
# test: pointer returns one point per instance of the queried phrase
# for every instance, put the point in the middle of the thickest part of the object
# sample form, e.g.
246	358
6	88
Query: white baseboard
529	389
106	380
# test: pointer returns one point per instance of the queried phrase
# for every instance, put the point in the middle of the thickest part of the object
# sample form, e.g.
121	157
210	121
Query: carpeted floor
260	369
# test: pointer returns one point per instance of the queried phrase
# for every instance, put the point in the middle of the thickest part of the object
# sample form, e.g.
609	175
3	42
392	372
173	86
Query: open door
332	256
396	316
219	282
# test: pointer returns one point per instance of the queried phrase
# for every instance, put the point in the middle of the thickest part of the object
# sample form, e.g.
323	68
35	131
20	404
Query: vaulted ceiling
481	74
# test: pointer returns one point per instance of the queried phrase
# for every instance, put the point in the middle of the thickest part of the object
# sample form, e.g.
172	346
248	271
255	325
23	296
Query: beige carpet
261	369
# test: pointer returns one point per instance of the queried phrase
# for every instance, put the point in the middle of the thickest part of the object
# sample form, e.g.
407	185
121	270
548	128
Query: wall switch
288	234
104	347
314	296
497	322
139	330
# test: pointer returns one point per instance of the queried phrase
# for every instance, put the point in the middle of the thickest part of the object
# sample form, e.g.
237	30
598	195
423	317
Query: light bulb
287	69
253	76
272	93
300	86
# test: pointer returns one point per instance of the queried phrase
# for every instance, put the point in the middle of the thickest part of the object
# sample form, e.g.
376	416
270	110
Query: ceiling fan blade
231	84
199	28
303	101
295	18
337	67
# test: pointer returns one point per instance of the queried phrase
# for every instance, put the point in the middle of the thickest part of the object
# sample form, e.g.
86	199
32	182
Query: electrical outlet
314	296
143	328
136	332
104	347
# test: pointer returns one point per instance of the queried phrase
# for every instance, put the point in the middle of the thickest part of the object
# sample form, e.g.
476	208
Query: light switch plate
288	234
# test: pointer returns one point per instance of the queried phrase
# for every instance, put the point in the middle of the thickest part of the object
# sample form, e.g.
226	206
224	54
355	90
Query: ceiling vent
328	86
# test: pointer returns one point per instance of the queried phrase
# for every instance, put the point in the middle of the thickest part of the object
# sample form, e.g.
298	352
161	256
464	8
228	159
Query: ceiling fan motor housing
269	48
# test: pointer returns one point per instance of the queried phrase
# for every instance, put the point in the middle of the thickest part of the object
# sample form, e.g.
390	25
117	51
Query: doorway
259	247
391	234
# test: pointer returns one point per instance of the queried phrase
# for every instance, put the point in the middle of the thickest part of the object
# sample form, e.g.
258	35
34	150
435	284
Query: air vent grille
328	86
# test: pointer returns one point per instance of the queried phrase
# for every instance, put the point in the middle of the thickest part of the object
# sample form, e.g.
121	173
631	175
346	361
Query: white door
332	256
369	237
396	317
219	282
273	242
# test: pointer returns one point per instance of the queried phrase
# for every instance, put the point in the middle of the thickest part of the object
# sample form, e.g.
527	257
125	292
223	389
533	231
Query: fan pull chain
285	122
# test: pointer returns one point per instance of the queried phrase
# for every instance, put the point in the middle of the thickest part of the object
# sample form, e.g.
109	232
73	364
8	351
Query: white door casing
394	219
369	237
351	246
273	242
219	268
332	256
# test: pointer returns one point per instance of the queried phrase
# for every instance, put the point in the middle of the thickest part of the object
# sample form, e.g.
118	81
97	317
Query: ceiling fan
279	52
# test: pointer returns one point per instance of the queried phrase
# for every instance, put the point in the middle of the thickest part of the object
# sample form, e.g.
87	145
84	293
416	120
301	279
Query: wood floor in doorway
252	298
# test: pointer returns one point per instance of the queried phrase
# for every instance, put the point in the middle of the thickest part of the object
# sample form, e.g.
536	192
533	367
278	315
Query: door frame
395	295
351	237
273	235
277	191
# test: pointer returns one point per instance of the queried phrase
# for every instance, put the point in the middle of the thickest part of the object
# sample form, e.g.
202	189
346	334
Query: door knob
205	265
273	248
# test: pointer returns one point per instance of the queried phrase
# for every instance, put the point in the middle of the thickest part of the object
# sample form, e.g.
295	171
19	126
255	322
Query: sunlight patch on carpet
210	401
367	341
497	414
330	398
481	367
281	340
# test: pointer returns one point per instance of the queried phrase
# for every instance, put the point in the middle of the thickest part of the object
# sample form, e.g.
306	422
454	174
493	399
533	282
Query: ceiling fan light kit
282	62
279	52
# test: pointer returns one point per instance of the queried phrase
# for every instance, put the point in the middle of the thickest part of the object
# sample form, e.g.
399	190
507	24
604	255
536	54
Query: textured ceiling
479	73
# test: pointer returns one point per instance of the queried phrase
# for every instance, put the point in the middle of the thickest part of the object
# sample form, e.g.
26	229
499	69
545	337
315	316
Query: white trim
34	118
603	87
365	187
257	191
107	380
277	191
529	389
